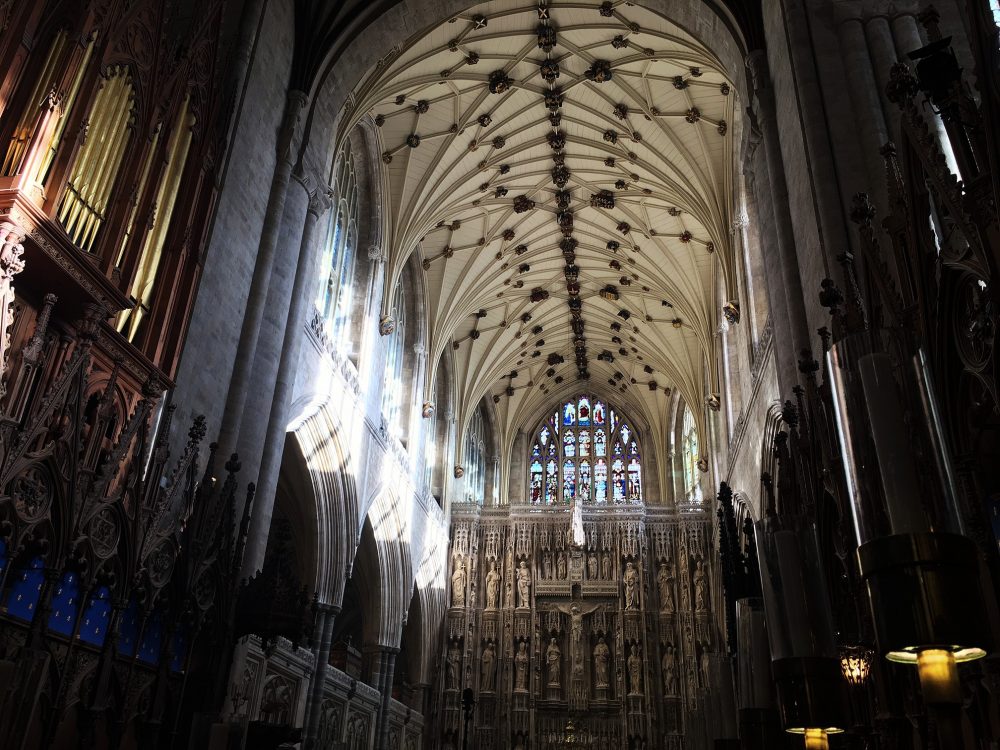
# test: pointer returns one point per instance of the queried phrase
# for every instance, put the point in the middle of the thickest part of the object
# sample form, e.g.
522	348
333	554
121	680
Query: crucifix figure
579	650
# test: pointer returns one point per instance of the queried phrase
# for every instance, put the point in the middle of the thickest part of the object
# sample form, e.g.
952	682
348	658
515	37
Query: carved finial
902	85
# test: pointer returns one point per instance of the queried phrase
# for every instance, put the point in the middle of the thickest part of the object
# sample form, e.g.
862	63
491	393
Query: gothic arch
389	560
332	472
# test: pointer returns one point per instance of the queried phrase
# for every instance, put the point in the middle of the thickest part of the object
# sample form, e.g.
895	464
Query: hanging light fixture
919	567
856	664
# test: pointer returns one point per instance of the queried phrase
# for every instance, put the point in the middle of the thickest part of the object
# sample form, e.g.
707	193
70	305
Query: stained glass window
597	460
600	481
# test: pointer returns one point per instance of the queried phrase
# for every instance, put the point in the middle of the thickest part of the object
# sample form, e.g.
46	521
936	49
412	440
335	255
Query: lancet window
689	453
336	294
585	451
475	459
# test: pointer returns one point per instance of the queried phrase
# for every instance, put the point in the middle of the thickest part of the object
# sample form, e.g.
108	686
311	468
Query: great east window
585	451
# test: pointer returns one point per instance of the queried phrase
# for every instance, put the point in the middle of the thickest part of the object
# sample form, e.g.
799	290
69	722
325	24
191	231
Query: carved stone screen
609	640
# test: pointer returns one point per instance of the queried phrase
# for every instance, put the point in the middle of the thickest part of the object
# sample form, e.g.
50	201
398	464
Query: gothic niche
599	608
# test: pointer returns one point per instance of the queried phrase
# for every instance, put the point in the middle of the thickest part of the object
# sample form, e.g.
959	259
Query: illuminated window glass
597	460
689	453
337	287
475	459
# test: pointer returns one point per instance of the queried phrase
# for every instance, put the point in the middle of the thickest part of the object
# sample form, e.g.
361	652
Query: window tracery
336	294
475	459
585	451
689	453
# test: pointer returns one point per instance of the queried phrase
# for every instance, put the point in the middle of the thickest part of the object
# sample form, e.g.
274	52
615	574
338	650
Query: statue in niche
606	566
521	668
519	745
668	664
561	566
553	658
664	582
492	587
547	565
488	660
592	566
635	670
523	586
631	580
700	588
705	665
454	660
509	594
458	585
602	657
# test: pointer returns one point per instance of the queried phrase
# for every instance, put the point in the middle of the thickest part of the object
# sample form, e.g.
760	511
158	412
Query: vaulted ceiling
565	172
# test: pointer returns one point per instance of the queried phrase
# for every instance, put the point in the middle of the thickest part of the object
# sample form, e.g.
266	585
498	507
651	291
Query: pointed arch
332	472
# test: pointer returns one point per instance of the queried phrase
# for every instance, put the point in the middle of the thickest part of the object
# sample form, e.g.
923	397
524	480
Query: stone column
377	671
785	287
415	438
239	383
278	417
389	669
369	328
869	115
326	615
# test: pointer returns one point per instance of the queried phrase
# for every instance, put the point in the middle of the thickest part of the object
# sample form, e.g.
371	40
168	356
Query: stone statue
631	580
553	658
664	582
458	585
492	587
705	666
521	668
592	566
488	660
602	656
561	566
635	670
547	565
454	659
668	665
523	586
606	566
700	588
509	593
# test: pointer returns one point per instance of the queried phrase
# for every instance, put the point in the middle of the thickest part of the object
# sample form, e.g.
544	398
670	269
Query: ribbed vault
566	173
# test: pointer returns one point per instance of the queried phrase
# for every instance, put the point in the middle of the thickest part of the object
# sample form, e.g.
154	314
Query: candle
889	433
